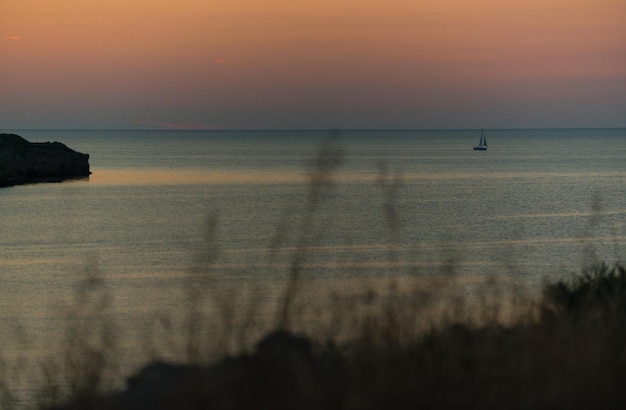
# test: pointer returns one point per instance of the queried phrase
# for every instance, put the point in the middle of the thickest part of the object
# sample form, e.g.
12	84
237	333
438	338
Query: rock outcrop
23	162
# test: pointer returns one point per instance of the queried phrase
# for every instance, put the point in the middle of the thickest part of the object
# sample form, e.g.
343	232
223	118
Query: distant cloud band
175	125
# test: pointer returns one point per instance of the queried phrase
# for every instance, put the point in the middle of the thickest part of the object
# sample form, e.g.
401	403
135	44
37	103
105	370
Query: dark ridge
24	162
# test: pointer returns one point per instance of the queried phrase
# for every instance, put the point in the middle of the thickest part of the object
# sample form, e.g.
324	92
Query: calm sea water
538	205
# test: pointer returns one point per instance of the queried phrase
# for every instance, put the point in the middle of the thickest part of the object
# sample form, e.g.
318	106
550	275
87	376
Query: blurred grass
565	350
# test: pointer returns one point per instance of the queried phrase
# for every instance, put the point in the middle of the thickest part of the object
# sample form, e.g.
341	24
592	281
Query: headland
24	162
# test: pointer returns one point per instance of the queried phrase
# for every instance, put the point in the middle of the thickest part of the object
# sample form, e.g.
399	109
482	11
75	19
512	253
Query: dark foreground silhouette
572	355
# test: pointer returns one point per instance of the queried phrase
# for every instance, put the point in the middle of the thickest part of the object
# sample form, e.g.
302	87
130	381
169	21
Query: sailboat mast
482	145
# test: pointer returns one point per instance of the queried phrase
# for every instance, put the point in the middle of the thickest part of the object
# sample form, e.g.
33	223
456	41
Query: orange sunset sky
312	63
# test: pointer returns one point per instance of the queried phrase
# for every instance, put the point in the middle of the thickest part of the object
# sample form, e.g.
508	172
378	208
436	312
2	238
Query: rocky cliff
23	162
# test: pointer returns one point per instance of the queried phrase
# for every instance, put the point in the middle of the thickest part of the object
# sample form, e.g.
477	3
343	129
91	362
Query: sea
166	213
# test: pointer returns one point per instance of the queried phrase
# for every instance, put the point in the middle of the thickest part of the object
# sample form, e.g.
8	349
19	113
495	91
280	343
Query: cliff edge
23	162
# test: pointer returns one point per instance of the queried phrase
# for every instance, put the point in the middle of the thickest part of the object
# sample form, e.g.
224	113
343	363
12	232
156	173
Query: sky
312	64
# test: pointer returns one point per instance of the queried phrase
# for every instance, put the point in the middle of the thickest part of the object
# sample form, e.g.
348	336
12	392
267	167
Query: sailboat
482	146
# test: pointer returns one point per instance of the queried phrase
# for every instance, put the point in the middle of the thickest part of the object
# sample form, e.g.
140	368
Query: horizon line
304	129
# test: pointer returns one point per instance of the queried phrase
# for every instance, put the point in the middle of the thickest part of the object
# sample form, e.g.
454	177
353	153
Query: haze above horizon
345	64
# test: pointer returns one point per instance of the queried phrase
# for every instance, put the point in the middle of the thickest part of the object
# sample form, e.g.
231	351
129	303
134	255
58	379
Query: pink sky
312	64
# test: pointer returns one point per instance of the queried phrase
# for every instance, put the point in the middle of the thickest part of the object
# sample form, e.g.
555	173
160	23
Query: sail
482	145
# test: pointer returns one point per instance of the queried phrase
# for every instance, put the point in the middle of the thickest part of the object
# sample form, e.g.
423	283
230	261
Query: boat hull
480	148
